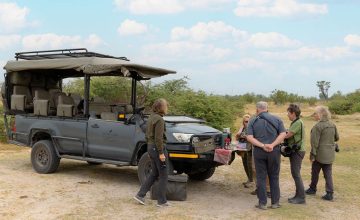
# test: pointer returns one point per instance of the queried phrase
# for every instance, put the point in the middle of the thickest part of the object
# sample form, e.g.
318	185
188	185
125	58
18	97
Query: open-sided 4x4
38	114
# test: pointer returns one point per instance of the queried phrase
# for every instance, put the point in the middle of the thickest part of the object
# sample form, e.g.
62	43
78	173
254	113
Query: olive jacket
324	134
155	132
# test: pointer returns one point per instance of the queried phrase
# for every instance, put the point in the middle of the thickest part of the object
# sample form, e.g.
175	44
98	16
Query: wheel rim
42	157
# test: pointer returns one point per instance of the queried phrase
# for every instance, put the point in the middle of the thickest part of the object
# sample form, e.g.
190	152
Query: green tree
323	89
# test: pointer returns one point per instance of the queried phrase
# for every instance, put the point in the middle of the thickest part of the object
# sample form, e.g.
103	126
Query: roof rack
63	53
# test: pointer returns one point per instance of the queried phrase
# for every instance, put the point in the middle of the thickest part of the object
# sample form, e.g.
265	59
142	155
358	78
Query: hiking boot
310	191
140	199
261	206
328	196
275	206
163	205
296	200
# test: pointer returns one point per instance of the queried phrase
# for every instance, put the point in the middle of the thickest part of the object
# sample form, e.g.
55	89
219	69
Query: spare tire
203	175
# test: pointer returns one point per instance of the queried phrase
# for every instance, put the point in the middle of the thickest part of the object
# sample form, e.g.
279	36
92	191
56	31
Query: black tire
93	163
44	158
144	167
200	176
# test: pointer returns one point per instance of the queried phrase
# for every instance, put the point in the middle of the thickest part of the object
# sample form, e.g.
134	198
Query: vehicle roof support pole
133	94
86	95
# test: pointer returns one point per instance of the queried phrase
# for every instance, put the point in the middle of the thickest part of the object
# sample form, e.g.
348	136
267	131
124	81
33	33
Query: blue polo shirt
265	127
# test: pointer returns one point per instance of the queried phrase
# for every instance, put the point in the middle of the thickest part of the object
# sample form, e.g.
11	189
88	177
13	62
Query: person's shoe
328	196
140	200
310	191
261	206
297	200
254	192
166	204
248	184
291	198
268	194
275	206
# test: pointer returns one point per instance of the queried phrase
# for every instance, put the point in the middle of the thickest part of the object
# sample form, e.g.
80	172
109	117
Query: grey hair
262	105
323	112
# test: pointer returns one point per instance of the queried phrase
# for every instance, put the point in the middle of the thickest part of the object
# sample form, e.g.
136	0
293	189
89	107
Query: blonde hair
323	112
159	106
246	116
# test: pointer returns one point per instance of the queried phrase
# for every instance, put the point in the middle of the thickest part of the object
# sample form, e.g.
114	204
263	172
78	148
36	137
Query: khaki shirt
324	134
155	132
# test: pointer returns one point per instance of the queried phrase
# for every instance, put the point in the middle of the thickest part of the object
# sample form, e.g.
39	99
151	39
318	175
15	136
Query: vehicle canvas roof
88	65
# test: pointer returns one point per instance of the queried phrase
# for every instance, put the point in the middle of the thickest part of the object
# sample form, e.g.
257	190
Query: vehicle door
112	140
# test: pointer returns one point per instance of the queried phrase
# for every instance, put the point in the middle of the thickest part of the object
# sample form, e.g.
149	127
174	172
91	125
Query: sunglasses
246	121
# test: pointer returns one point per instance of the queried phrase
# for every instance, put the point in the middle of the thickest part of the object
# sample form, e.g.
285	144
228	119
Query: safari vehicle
38	114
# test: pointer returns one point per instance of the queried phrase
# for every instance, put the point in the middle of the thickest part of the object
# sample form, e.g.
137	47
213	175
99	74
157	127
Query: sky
223	46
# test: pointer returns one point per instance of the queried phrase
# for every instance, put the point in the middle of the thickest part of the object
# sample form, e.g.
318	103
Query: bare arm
254	141
289	134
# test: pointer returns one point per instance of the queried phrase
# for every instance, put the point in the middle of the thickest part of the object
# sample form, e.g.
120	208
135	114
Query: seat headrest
64	99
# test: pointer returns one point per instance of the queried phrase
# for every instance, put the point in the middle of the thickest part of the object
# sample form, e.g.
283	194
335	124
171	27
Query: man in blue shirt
266	132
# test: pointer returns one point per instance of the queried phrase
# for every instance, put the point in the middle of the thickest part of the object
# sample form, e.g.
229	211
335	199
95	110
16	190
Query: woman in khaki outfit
324	134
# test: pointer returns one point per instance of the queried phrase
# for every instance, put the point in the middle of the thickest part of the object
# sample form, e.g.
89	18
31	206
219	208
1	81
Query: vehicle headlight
182	137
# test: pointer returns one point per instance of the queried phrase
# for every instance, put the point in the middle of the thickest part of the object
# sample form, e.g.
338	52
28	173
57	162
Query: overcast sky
223	46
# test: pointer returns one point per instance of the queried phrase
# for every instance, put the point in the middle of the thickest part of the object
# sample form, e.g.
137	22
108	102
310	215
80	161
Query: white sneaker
141	200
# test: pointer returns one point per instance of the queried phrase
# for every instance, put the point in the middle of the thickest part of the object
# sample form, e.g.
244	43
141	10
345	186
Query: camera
286	150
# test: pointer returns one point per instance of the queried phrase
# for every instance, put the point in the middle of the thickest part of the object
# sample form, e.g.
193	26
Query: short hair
262	105
158	106
294	108
323	112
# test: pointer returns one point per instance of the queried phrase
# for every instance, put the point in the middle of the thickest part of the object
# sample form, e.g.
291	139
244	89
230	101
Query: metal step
96	160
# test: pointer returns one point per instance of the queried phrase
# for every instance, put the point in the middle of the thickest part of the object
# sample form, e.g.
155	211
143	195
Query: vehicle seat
54	96
98	105
109	116
21	98
42	102
66	106
77	98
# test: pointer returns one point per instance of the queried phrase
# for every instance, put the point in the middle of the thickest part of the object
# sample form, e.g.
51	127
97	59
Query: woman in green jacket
156	139
324	134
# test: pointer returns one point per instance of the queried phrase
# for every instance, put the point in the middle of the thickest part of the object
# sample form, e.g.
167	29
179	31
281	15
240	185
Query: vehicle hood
190	128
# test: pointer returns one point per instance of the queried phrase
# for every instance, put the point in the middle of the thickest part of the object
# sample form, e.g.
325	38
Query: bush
345	104
341	106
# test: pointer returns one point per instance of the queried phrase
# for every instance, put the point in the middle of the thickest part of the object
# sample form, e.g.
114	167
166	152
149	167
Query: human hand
312	158
268	147
162	157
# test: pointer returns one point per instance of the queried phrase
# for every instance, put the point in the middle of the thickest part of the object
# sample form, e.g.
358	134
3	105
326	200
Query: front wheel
144	167
203	175
44	158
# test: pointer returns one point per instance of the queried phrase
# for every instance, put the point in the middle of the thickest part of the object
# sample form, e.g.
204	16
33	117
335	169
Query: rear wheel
144	167
44	158
203	175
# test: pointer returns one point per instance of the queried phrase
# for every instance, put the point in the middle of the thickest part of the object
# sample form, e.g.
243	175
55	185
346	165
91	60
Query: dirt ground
80	191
